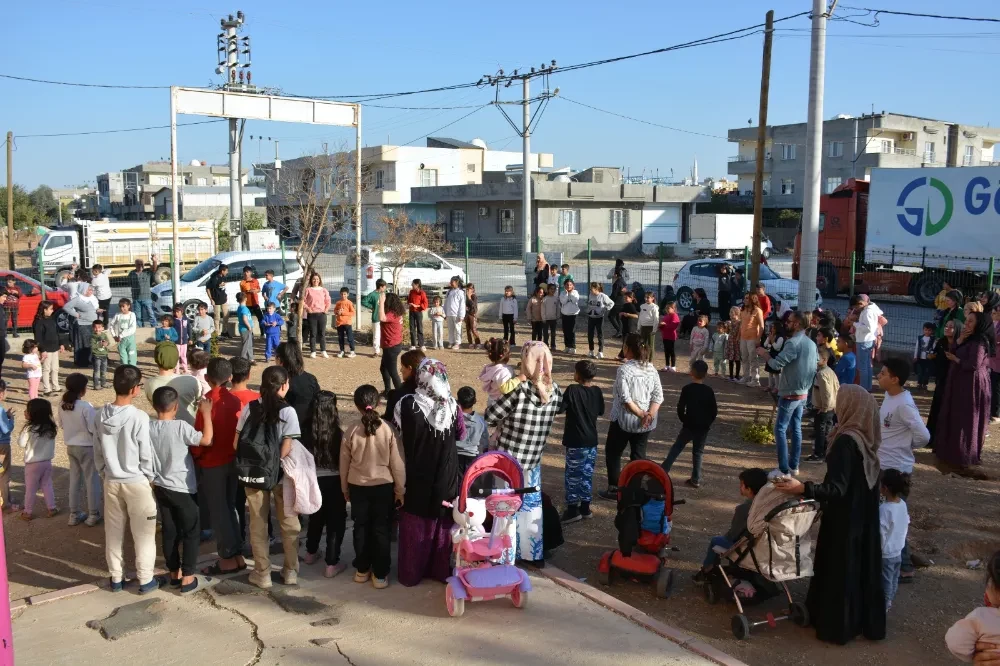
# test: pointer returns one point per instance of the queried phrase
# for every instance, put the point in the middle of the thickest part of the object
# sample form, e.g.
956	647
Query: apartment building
128	194
852	147
199	203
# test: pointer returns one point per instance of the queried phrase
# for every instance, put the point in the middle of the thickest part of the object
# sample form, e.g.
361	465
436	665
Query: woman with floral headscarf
429	422
523	419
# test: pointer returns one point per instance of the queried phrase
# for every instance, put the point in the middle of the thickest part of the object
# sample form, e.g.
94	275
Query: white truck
723	235
117	244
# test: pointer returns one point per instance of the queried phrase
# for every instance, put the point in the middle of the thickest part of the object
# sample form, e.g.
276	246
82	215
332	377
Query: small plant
213	346
756	432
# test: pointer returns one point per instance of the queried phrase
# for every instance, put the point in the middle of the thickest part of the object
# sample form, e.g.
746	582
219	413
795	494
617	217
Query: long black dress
941	367
845	595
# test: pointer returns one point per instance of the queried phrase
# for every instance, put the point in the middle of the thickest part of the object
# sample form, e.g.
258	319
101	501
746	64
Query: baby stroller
779	547
478	576
641	554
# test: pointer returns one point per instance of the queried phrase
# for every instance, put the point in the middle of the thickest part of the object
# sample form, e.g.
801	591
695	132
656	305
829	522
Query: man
797	364
101	284
865	335
250	288
272	291
215	289
140	280
618	289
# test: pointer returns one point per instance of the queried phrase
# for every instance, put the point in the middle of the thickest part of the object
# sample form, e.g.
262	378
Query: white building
198	203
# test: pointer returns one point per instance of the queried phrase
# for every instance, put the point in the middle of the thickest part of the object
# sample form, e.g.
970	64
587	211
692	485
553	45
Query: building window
928	151
619	221
379	179
471	168
202	182
832	183
428	178
787	186
788	151
569	221
967	158
836	149
458	221
887	145
506	221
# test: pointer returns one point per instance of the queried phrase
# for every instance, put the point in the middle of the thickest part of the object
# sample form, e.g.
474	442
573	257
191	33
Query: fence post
746	267
538	244
589	278
659	278
41	271
989	284
284	274
467	278
853	269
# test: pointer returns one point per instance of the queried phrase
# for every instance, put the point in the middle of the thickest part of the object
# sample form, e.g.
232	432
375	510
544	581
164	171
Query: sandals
217	570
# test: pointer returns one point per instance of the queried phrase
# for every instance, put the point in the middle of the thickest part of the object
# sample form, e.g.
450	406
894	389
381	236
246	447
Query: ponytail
271	381
366	400
638	348
76	386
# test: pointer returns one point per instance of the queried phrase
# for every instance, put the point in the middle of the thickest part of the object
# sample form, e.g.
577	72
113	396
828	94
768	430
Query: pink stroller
478	574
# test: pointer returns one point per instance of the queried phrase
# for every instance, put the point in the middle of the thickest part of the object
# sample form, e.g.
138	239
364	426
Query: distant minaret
694	171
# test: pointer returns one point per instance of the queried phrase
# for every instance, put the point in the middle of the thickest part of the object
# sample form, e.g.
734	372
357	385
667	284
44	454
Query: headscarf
992	302
984	333
858	418
433	395
956	296
536	365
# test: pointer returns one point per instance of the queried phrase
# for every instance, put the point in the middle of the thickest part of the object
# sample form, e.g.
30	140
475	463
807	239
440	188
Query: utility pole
525	164
808	257
10	200
231	47
758	190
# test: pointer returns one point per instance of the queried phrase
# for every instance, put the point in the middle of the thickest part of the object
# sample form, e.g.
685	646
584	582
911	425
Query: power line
640	120
116	131
81	85
945	17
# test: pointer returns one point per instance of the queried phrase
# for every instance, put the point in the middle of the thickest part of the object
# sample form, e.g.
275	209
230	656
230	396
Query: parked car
432	270
704	273
192	283
31	296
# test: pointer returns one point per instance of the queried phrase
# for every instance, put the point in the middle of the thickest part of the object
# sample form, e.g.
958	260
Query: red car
31	296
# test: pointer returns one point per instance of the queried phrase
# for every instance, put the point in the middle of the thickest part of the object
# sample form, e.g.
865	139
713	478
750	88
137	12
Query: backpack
258	451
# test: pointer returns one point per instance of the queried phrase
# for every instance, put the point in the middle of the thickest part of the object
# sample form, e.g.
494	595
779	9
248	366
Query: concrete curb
673	634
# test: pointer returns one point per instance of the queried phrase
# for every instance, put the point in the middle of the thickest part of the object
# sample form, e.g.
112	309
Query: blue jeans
712	557
890	578
865	364
789	414
139	305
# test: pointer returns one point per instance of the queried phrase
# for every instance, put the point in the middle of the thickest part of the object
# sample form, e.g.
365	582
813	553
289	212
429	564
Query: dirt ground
954	521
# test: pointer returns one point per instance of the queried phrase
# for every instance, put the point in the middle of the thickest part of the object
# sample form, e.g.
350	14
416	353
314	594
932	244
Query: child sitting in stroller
653	518
751	481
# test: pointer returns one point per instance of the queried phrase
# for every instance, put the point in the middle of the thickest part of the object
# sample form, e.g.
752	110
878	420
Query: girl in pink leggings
38	439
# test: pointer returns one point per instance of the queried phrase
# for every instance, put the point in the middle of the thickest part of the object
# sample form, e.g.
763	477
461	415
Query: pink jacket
316	299
493	377
669	323
300	488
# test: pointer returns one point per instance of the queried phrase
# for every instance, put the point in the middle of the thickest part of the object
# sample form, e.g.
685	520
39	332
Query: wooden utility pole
758	189
10	198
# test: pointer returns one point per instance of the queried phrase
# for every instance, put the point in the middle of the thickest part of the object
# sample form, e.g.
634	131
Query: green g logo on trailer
913	219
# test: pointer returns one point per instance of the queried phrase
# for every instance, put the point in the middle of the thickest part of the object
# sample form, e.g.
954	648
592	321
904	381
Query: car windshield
765	272
201	270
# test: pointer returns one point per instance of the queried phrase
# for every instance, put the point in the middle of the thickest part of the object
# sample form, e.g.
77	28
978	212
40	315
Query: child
11	306
46	336
409	363
773	344
416	301
372	477
476	438
272	323
630	319
535	314
894	521
199	368
598	306
696	409
245	325
454	310
370	301
824	399
847	365
649	318
174	484
982	624
272	290
553	276
316	303
922	351
292	325
550	315
327	438
6	428
719	344
700	338
669	323
166	330
32	366
202	328
495	373
239	379
436	313
38	439
471	316
733	355
569	308
101	342
751	482
508	314
123	327
343	310
76	418
564	277
183	327
583	403
826	337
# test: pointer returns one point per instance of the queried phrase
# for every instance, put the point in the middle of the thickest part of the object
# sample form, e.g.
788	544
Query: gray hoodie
122	450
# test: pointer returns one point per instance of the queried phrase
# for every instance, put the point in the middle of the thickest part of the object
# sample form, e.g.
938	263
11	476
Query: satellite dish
479	142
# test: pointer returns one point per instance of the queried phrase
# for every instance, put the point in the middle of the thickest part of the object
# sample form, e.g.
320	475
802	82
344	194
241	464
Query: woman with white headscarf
429	422
845	594
82	310
523	418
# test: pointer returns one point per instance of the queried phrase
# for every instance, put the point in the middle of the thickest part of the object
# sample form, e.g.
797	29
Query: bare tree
401	240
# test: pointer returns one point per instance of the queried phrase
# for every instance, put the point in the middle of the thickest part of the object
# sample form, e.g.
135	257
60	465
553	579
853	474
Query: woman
523	419
82	310
961	424
845	594
302	387
619	283
315	304
751	330
541	271
701	306
638	395
430	422
390	316
409	363
725	291
941	367
619	271
992	310
953	311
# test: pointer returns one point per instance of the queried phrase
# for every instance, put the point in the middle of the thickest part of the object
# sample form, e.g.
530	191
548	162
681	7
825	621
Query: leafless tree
400	240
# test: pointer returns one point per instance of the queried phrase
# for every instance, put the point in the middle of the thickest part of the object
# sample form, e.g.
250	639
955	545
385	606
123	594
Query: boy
825	337
824	399
476	436
165	356
751	482
554	276
217	471
245	327
564	275
923	353
696	409
183	327
343	310
550	316
123	327
124	459
371	302
271	323
6	428
583	403
166	330
454	311
202	328
239	380
12	303
649	320
101	283
436	313
903	430
272	290
174	485
250	288
848	364
100	343
417	301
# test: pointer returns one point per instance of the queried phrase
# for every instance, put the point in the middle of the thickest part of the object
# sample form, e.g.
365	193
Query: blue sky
932	68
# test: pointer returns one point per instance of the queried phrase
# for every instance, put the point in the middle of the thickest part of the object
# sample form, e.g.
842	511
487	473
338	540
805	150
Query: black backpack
258	451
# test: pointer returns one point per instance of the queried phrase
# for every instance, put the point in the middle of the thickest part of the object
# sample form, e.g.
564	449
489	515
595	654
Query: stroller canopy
493	462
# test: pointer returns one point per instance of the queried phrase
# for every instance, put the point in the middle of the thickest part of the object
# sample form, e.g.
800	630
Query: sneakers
423	348
610	494
76	518
456	346
362	576
592	354
312	355
311	558
92	520
600	355
378	352
332	570
290	577
585	511
813	458
263	581
351	354
152	586
691	483
340	355
325	355
571	515
666	368
413	347
380	583
795	472
571	351
116	586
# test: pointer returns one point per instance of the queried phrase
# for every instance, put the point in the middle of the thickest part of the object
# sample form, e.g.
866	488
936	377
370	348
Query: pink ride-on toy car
479	575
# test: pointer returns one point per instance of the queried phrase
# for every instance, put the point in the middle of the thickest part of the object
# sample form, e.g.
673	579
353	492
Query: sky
926	67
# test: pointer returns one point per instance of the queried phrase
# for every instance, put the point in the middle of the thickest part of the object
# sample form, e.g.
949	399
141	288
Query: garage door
661	224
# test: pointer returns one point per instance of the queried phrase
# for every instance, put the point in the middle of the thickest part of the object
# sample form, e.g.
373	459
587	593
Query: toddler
495	373
38	439
436	314
751	481
166	330
923	353
534	311
719	344
894	521
271	324
199	368
76	418
476	440
982	624
700	336
508	314
327	438
183	327
32	366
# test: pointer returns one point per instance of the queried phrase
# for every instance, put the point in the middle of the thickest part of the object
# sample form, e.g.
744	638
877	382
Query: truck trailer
723	235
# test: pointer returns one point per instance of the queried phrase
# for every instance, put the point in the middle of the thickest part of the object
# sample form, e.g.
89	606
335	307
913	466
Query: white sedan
704	273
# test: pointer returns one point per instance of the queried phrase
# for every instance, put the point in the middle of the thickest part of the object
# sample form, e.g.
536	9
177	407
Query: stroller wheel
664	583
519	598
711	596
740	626
455	606
799	614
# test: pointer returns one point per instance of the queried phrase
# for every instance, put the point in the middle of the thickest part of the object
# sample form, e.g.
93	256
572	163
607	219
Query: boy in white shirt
454	310
649	320
894	522
569	308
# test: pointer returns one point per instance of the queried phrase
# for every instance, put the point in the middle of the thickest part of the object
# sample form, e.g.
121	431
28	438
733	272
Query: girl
76	418
182	325
38	439
508	314
894	521
372	479
649	318
436	314
701	339
33	367
390	316
47	338
123	327
751	329
982	624
598	306
472	316
569	308
669	323
326	438
535	313
733	345
774	343
430	423
496	372
316	302
409	361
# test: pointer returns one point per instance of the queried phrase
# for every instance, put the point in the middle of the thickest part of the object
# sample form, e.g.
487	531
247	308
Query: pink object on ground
6	633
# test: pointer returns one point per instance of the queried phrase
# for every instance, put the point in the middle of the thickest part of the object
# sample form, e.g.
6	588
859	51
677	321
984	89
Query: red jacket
669	323
417	300
765	305
226	409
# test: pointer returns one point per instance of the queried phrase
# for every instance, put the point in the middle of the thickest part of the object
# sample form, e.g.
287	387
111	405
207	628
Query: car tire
685	298
191	308
926	287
